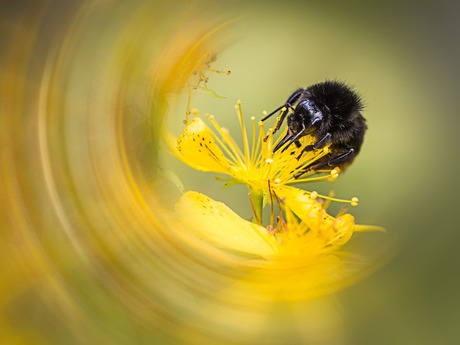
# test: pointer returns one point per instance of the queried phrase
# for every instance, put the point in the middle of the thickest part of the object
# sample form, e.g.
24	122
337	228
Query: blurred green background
402	57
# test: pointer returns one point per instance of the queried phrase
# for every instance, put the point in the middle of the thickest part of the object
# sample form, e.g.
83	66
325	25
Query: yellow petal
171	141
215	222
198	148
336	231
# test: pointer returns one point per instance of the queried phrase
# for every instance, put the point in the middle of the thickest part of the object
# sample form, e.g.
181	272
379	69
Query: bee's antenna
273	112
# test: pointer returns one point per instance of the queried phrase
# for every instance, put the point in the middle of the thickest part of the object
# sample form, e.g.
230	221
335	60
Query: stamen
234	146
334	174
296	168
253	147
245	137
203	79
217	71
310	179
265	150
283	109
269	135
233	157
328	201
281	136
353	201
342	211
257	153
268	162
306	162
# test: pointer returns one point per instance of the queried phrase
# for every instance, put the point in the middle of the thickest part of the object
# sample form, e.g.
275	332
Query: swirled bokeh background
87	254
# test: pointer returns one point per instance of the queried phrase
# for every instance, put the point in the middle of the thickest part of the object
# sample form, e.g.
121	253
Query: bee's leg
298	135
282	141
323	141
298	144
340	160
318	145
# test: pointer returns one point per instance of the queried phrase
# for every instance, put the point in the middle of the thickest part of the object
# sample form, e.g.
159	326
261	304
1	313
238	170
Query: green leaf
208	91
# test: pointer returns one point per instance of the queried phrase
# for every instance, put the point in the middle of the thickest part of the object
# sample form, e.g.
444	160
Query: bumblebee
330	112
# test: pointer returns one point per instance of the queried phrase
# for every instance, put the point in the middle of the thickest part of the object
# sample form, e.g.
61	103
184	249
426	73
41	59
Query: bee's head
306	115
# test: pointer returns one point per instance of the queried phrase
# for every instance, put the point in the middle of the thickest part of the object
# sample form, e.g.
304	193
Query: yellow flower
313	214
297	262
215	150
256	165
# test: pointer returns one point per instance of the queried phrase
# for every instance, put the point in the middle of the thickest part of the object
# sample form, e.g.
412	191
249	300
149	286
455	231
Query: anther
354	201
313	195
335	173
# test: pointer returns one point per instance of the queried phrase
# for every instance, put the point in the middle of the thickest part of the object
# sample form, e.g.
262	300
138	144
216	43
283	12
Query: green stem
257	196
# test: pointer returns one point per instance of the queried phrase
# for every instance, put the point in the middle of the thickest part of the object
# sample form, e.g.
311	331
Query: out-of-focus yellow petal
197	148
215	222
